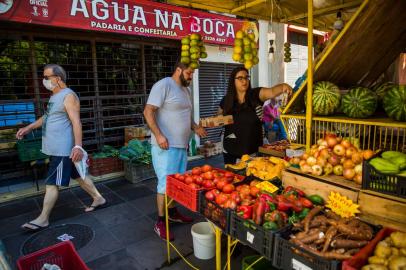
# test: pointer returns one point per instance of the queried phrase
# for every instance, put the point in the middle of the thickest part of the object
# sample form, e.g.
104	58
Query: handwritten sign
341	205
267	187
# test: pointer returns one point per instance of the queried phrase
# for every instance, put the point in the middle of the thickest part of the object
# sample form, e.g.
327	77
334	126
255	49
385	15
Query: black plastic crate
253	235
384	183
136	172
285	257
214	212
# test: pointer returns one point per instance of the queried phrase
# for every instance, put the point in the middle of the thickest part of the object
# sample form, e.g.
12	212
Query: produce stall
341	203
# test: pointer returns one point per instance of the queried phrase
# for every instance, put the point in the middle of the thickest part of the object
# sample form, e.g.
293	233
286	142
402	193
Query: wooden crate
216	121
139	133
271	152
312	185
382	209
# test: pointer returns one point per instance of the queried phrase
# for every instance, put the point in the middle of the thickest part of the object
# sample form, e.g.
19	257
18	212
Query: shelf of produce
321	185
382	209
371	133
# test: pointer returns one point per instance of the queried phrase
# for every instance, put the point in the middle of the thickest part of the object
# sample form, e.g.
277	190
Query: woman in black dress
245	104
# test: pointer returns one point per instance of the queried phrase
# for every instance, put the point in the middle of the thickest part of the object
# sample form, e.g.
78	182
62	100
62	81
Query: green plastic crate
30	149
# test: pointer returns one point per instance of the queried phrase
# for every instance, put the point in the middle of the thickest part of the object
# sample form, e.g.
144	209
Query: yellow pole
309	101
218	248
167	230
228	252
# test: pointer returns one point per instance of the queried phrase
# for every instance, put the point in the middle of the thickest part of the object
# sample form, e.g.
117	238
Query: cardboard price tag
267	187
341	205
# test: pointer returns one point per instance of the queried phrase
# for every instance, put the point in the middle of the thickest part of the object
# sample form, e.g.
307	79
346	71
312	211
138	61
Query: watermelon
381	89
326	98
394	103
359	102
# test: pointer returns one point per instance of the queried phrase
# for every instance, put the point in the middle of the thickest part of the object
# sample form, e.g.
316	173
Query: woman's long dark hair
231	96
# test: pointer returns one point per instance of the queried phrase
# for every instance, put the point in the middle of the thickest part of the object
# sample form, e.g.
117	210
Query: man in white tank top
62	141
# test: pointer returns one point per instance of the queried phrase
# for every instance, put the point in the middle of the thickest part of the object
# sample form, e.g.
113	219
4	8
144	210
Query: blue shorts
61	170
171	161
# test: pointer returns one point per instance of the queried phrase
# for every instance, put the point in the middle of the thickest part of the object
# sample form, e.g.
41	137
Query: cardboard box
139	133
216	121
211	149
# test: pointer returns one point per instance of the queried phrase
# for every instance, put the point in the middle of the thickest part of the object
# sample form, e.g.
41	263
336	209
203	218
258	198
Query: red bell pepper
295	191
306	202
258	211
245	211
283	204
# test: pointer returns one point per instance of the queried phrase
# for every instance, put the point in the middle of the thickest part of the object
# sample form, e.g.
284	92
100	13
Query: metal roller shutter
213	80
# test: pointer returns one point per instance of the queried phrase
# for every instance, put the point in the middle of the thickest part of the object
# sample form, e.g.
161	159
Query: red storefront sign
132	17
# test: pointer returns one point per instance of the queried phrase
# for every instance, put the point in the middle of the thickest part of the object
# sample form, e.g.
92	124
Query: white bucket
204	240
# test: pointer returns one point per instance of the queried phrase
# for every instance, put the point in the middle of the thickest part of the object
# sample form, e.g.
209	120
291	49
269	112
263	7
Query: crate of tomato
255	222
186	188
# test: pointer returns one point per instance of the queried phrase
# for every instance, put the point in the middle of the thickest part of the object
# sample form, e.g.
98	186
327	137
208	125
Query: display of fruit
326	98
207	177
389	254
394	102
245	49
359	102
390	162
334	155
192	50
287	54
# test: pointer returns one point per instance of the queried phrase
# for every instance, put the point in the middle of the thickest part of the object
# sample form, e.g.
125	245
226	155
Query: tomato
221	198
228	188
210	195
231	204
220	184
206	168
208	184
196	171
208	176
194	186
181	178
254	191
254	183
229	174
198	180
177	175
215	192
188	180
236	197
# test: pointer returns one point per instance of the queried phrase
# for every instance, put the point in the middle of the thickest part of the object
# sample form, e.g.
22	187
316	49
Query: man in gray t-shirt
168	113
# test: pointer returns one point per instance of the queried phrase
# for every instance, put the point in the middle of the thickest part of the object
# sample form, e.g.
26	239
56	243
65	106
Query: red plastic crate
100	166
184	194
361	258
62	254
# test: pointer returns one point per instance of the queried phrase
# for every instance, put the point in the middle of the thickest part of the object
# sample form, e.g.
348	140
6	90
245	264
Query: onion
311	161
317	170
358	179
358	169
367	154
349	174
357	157
339	150
348	164
346	143
334	160
350	151
332	141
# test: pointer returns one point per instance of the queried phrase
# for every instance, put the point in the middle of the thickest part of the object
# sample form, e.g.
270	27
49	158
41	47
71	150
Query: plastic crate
182	193
215	213
285	257
100	166
136	172
361	258
62	254
388	184
29	148
253	235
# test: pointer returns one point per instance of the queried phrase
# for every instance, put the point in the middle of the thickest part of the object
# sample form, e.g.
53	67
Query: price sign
341	205
266	186
250	237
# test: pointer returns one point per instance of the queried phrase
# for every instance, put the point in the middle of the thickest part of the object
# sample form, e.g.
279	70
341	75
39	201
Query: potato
382	250
377	260
398	239
397	263
374	267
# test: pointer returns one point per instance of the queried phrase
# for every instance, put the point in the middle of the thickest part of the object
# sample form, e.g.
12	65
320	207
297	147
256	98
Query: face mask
48	84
